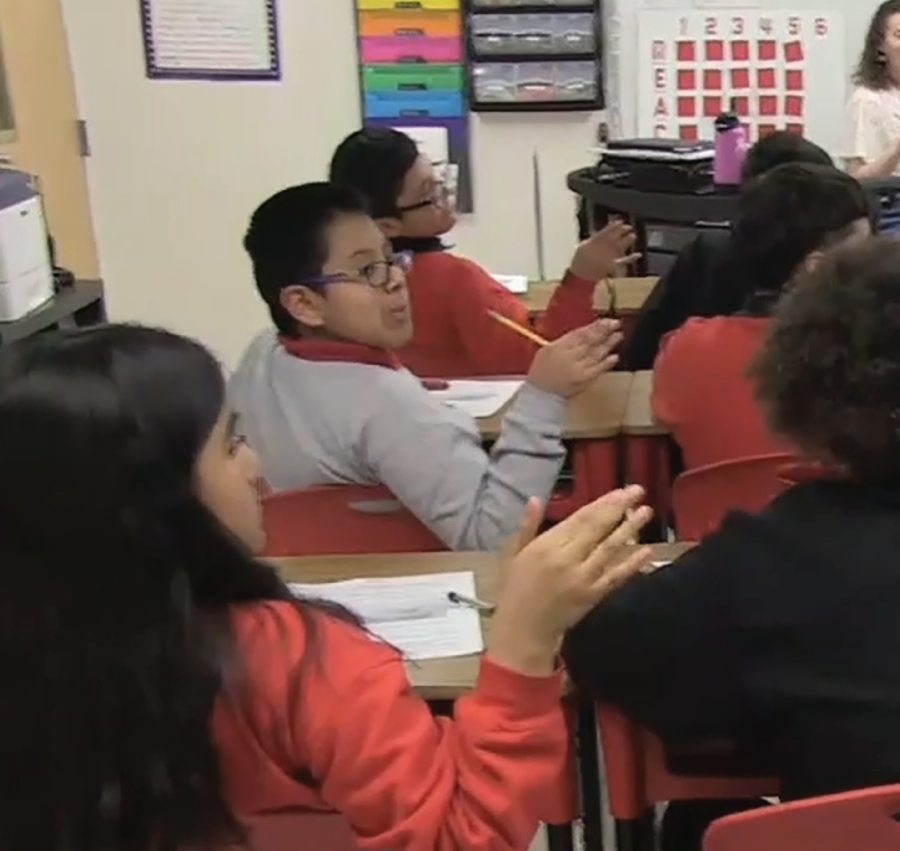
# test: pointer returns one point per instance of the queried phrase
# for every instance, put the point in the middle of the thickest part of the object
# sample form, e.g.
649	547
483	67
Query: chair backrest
701	498
302	831
854	821
637	776
342	520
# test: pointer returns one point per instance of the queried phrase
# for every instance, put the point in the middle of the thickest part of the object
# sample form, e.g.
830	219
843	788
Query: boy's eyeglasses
443	193
439	196
376	274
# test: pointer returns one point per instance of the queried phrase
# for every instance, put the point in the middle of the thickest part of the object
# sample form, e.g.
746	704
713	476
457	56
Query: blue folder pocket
411	104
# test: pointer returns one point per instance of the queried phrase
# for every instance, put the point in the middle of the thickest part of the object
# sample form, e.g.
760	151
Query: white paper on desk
514	283
413	613
478	398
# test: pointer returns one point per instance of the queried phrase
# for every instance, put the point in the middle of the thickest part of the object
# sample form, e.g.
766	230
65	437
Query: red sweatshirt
338	706
701	390
453	335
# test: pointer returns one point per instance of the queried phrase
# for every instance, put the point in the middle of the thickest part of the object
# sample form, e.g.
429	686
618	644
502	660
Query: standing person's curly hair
872	70
829	372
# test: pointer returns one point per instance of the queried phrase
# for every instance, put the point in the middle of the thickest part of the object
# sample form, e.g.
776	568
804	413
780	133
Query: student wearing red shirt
451	296
785	220
707	277
160	684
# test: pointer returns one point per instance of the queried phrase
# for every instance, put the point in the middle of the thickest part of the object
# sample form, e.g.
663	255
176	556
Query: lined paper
413	613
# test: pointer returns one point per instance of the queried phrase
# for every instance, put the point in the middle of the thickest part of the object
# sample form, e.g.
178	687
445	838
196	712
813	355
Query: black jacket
706	280
780	632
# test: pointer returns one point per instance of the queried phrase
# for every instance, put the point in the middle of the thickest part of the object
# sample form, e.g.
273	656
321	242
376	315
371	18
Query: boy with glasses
452	297
323	398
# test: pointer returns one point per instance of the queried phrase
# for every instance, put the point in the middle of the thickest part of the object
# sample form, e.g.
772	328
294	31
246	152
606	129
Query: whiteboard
624	68
781	70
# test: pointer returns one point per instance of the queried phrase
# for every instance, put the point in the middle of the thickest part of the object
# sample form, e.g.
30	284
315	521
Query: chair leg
560	837
589	776
636	834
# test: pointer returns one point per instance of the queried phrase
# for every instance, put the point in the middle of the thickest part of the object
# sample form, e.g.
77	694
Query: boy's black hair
789	212
829	372
374	161
782	147
287	240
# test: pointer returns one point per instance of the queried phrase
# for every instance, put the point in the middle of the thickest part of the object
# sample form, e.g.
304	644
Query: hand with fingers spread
603	253
570	363
550	581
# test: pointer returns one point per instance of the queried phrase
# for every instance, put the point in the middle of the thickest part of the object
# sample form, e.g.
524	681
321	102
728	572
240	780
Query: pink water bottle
730	149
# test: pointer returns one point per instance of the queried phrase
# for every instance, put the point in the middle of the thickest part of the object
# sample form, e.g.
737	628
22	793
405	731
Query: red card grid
685	51
689	132
793	106
765	78
793	51
687	107
712	81
740	51
687	80
712	106
742	105
740	78
794	128
763	130
714	51
768	105
766	51
793	81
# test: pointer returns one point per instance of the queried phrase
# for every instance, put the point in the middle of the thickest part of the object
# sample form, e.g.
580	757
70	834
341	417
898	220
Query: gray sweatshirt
341	421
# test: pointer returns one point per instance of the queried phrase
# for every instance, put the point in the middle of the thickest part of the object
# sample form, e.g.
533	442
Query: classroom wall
176	167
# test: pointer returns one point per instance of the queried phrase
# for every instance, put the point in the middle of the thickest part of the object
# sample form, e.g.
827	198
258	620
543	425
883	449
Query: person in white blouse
872	147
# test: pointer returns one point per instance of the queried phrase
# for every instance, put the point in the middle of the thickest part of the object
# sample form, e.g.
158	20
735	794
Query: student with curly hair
872	147
779	631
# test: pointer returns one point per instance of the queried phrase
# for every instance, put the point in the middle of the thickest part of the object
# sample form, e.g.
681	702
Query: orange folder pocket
427	24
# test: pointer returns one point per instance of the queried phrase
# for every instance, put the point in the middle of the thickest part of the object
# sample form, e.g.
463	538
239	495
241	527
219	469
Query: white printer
26	272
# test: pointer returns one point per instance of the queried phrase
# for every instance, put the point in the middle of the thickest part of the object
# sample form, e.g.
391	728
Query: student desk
433	679
592	426
447	679
647	448
630	295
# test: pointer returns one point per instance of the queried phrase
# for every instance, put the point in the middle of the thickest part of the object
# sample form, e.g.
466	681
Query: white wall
176	167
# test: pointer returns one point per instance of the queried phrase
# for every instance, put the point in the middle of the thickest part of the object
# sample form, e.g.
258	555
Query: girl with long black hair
159	684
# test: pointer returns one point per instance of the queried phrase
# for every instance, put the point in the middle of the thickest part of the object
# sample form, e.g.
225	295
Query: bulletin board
626	71
783	71
412	78
219	40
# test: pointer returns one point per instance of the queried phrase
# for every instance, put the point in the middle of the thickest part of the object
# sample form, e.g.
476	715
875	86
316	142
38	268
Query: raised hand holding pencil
571	363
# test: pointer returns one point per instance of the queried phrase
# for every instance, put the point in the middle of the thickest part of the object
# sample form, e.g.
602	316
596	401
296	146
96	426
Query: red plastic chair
865	820
342	520
637	777
570	497
701	498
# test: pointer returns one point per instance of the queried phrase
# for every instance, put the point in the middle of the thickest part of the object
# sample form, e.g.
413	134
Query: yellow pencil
519	329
